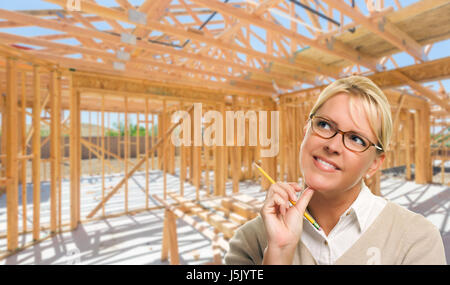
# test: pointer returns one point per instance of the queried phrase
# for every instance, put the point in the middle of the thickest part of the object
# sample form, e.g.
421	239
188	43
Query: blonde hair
374	103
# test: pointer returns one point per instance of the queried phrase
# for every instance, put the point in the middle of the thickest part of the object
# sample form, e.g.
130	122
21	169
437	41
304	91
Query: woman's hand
283	223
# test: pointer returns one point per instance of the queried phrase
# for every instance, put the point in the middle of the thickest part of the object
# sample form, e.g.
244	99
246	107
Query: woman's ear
376	164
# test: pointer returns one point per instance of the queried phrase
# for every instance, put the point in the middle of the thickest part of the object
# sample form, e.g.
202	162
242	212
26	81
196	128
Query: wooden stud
427	143
219	169
12	198
4	127
408	145
79	154
282	158
54	149
147	178
423	169
60	149
164	148
153	140
98	142
197	169
165	238
137	145
119	139
75	156
235	156
36	172
269	163
24	150
173	240
103	151
182	161
126	154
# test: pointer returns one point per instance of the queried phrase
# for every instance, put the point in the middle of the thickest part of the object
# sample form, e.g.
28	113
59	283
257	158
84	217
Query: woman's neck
327	208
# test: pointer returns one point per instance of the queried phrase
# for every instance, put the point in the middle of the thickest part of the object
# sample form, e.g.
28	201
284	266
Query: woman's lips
323	165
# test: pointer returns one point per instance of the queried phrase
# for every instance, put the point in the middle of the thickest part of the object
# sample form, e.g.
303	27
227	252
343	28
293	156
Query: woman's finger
289	190
278	189
304	199
296	186
281	203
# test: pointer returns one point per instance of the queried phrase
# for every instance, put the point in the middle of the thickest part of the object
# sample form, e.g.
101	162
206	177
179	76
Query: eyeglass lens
326	129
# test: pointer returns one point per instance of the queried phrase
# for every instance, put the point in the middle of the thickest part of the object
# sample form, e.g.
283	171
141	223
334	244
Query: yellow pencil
307	216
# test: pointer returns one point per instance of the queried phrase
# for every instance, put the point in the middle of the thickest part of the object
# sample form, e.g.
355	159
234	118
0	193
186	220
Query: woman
348	130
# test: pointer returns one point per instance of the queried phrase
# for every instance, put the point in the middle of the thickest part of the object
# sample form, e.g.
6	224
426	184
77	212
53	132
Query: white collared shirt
351	225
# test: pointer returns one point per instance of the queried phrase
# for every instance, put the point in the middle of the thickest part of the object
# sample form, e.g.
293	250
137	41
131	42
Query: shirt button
325	242
348	213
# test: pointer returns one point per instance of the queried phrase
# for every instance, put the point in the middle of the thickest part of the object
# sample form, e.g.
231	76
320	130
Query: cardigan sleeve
247	245
423	244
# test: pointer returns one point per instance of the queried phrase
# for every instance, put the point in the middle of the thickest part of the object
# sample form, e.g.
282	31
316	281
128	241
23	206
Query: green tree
132	130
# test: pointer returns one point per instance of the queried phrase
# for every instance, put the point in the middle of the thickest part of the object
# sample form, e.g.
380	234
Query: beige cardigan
397	236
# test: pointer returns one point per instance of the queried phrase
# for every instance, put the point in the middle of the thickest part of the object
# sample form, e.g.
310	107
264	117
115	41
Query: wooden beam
408	145
423	91
113	39
170	241
36	175
219	161
420	73
12	197
201	227
339	49
134	62
75	156
227	35
183	166
383	28
126	151
145	74
147	147
54	148
397	116
163	124
109	13
23	137
103	150
422	147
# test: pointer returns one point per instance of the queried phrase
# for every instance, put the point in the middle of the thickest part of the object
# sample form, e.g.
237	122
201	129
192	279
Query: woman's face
351	166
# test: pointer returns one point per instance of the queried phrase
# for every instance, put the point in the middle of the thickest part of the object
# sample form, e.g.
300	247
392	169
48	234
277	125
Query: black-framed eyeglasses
353	141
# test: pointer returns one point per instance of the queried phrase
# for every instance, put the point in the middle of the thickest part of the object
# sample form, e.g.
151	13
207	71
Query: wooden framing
75	156
36	152
11	108
55	141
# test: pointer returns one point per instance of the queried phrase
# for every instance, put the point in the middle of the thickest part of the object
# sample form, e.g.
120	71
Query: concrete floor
136	239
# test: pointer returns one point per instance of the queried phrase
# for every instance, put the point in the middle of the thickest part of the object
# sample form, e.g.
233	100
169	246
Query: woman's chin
319	183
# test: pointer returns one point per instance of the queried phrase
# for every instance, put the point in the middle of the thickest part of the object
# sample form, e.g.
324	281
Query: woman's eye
323	124
358	140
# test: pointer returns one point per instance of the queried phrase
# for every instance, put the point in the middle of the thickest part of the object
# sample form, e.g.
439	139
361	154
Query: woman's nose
335	144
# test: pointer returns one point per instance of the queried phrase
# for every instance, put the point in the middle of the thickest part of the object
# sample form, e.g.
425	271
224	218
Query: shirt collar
360	208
